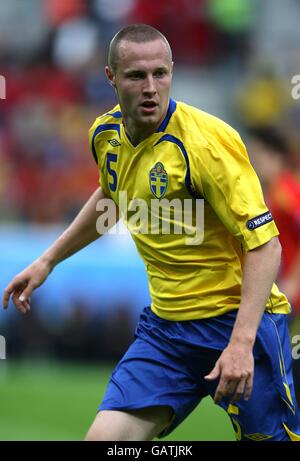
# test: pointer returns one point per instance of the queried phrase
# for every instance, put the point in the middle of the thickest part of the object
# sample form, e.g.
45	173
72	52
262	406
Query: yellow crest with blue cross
158	180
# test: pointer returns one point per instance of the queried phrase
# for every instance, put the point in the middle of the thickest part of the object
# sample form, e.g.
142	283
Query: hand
24	283
236	370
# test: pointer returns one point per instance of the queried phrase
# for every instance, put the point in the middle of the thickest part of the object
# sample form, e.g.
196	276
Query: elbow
275	253
274	249
276	245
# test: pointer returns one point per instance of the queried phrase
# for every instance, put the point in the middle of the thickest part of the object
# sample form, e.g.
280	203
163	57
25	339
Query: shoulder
109	120
206	129
105	128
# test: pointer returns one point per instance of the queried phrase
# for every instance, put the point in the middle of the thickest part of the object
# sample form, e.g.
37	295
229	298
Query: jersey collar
162	126
170	111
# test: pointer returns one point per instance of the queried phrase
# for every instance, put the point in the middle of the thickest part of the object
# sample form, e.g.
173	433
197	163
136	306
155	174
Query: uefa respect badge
2	87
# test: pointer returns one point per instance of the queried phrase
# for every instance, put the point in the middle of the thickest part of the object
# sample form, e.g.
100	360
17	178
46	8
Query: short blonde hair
137	33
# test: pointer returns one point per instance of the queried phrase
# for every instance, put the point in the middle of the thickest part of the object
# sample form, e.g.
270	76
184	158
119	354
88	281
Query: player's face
142	81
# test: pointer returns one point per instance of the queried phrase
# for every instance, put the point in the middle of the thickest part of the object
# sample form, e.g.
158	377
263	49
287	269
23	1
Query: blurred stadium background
233	58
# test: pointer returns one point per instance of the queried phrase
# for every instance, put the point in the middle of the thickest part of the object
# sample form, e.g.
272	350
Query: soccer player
217	323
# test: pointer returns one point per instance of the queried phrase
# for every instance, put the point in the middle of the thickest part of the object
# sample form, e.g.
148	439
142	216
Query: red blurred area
47	169
59	11
284	201
185	23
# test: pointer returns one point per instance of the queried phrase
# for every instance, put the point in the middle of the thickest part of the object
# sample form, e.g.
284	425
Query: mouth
149	106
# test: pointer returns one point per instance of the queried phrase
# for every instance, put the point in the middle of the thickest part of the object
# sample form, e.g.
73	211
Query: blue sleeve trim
117	114
99	129
188	183
170	112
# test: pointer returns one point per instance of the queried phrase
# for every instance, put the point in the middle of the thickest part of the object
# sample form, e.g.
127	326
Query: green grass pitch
51	401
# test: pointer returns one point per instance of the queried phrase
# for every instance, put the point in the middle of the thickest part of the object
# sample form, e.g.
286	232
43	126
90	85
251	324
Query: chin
149	120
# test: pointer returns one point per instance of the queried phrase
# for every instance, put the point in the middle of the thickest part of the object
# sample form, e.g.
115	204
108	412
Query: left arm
235	367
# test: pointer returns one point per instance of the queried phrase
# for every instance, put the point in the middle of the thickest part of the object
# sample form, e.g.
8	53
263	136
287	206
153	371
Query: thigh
131	425
164	367
148	377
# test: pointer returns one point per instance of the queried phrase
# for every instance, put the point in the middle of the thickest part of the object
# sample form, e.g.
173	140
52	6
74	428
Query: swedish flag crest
158	180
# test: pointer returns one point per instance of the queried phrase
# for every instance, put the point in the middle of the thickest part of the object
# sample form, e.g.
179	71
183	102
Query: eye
160	73
135	76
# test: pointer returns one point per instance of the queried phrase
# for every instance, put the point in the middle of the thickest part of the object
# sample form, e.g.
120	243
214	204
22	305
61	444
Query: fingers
243	388
22	304
237	388
20	292
7	293
25	295
249	386
215	372
238	391
221	391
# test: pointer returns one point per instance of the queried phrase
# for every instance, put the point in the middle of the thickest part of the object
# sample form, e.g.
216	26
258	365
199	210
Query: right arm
81	232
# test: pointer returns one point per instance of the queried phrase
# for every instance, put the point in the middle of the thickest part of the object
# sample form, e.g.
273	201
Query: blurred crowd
78	336
55	86
52	55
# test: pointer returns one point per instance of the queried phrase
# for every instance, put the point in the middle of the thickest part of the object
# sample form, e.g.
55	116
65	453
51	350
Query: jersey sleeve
227	180
98	156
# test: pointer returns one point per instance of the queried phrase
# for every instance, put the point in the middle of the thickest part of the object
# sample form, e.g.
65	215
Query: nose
149	86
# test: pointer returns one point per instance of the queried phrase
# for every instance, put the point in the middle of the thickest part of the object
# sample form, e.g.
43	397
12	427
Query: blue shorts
168	360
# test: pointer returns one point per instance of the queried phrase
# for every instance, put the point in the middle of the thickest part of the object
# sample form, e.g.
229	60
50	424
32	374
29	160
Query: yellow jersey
193	163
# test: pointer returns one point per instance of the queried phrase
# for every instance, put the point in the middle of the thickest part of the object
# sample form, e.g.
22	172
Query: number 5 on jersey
111	159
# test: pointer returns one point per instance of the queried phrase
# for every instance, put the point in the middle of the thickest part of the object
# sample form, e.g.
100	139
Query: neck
138	133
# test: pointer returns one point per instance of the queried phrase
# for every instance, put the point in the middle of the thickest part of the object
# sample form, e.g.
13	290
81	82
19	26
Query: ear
172	67
110	76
